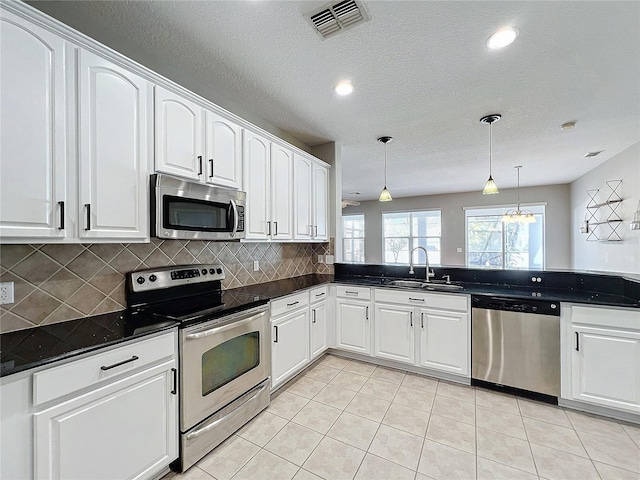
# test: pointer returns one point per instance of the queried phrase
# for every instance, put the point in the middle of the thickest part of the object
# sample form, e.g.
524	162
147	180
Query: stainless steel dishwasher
516	346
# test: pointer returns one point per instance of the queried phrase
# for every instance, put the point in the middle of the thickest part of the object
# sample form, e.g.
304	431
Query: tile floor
345	419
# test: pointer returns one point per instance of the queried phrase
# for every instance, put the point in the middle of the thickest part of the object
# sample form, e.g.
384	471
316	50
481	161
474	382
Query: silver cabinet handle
269	228
276	225
319	294
200	164
61	204
292	304
411	318
577	342
314	316
416	299
129	360
366	313
316	228
349	292
422	320
276	339
211	171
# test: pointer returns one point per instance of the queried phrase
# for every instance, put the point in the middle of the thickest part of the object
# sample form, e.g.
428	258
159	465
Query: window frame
345	238
411	237
538	208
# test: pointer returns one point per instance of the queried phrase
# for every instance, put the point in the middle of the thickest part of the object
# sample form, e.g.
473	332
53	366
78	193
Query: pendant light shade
385	195
517	215
490	187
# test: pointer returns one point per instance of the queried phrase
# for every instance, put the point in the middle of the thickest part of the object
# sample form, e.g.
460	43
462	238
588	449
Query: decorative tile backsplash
54	283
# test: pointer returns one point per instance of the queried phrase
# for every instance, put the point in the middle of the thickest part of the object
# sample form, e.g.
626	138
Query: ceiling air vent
593	154
334	18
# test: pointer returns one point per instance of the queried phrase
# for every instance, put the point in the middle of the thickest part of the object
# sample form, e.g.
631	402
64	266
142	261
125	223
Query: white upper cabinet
303	201
179	139
114	150
320	203
256	151
281	193
32	134
268	180
196	143
223	151
310	199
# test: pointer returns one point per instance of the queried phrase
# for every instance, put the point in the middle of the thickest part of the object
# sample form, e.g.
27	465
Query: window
494	244
403	231
353	238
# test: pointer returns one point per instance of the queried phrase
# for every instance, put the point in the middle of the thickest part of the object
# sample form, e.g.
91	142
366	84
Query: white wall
558	244
608	256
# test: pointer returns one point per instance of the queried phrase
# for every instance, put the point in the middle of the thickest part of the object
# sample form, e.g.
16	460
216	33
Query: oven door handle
217	329
235	218
212	425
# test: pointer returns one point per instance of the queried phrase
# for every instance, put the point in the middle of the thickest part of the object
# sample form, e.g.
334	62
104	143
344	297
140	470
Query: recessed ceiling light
503	37
343	88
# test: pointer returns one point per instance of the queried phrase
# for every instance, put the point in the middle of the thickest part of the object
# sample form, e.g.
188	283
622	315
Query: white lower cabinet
126	429
394	333
289	345
353	329
429	330
443	341
318	332
602	346
112	414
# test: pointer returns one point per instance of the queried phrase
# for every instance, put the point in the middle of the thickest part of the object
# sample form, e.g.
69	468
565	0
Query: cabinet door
223	147
318	329
114	155
394	333
32	137
179	140
281	193
353	328
605	367
289	345
256	182
444	341
127	429
302	201
320	204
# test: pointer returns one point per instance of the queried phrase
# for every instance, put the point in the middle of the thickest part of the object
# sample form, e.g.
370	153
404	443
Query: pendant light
490	187
385	195
517	215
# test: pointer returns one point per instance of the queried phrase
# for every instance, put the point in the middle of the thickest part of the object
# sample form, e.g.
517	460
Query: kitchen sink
432	285
406	283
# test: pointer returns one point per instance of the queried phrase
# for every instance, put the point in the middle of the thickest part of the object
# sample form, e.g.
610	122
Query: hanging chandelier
490	187
385	195
518	215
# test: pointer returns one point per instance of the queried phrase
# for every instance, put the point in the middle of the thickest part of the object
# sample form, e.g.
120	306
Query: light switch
459	249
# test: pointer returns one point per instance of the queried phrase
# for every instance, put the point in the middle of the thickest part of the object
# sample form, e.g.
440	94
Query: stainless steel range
224	351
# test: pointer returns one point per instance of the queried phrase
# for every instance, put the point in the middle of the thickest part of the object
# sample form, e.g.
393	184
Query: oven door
220	361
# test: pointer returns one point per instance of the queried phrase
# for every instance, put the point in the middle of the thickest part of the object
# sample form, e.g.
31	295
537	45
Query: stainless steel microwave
181	209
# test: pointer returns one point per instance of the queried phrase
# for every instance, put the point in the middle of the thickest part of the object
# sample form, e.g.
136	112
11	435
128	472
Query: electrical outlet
320	258
6	293
256	266
459	249
328	259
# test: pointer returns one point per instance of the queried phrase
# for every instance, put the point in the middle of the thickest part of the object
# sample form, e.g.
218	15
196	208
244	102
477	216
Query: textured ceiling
422	74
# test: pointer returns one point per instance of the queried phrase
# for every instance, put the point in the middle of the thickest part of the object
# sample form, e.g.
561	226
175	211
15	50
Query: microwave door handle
235	218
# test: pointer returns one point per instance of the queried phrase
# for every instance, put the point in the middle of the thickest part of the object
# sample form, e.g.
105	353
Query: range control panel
155	279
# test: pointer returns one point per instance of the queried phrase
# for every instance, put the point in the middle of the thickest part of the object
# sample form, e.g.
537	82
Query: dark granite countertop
33	347
25	349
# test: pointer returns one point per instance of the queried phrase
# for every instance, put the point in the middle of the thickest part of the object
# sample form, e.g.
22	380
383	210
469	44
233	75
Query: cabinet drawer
289	303
444	301
606	317
318	294
361	293
58	381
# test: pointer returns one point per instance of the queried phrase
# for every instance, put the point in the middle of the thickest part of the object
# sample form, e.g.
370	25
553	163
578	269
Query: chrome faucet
428	274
